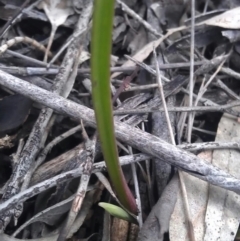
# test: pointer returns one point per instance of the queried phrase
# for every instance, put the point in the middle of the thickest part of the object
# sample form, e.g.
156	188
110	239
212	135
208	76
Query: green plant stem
100	73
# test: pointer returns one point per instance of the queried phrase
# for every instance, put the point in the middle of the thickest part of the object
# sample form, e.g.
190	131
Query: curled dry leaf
223	209
157	223
169	12
57	12
143	53
6	142
215	211
84	56
47	214
4	237
229	19
197	192
87	204
232	35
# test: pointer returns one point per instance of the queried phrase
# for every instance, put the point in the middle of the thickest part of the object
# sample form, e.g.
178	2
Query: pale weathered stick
54	70
132	136
87	165
63	83
218	108
64	177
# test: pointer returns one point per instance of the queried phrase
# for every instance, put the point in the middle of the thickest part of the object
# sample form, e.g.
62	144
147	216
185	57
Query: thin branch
136	186
99	167
210	146
160	87
218	108
134	15
54	70
208	102
26	58
138	139
146	67
182	184
190	120
212	133
82	187
68	42
39	132
24	39
46	150
191	80
13	19
204	88
224	87
64	177
230	72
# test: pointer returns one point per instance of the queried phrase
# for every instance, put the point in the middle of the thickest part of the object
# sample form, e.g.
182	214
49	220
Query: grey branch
64	177
134	137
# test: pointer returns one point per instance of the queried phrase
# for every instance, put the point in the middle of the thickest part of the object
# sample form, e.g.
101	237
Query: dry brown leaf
142	54
6	142
197	191
78	223
57	12
223	209
157	222
49	215
215	211
229	19
85	55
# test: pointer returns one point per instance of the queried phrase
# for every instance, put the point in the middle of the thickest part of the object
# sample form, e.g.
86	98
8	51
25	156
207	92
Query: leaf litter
164	25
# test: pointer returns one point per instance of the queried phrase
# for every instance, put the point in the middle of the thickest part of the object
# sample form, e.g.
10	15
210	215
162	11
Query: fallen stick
132	136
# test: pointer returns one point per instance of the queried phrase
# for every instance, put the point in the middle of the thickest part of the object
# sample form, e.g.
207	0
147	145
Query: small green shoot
118	212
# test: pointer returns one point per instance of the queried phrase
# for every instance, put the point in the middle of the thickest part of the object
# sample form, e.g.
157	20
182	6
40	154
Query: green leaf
118	212
100	74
